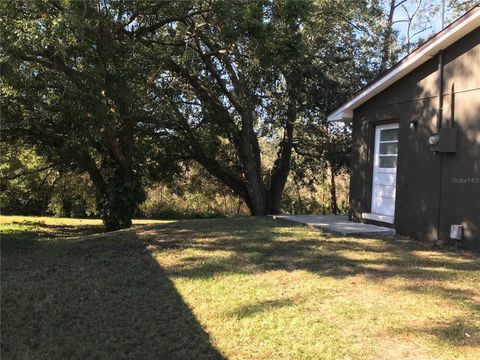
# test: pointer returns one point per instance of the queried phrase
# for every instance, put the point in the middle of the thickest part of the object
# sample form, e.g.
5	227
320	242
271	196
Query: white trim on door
384	177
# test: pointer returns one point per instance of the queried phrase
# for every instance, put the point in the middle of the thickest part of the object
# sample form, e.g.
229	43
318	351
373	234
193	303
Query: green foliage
191	194
27	194
246	74
128	92
153	209
309	191
74	82
455	8
74	196
118	204
31	186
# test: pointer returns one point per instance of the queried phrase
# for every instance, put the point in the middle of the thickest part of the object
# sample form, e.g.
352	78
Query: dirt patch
395	348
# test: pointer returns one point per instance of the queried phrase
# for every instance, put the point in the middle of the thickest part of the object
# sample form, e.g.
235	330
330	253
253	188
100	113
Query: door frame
374	158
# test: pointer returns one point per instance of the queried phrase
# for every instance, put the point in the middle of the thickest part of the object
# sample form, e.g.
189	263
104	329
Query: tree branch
219	80
206	96
25	173
210	164
154	27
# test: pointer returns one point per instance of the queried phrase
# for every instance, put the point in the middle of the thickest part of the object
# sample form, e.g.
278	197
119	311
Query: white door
385	170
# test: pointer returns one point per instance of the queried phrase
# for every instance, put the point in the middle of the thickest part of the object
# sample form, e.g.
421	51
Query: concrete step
338	224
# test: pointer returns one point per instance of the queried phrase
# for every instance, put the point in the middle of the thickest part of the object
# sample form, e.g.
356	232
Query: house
416	140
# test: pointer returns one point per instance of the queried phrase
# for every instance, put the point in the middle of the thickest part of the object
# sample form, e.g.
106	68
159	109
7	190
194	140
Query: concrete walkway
338	224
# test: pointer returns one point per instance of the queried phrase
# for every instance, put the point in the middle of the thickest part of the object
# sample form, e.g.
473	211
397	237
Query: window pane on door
389	148
387	161
389	135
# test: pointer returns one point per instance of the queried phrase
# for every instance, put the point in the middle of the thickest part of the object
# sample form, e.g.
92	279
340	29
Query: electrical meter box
456	232
448	140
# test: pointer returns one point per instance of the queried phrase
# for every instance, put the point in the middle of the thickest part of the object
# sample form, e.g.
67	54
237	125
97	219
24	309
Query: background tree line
106	101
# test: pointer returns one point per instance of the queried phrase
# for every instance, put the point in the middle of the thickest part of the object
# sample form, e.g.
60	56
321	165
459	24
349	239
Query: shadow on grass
108	297
39	230
258	246
260	307
251	246
457	332
95	299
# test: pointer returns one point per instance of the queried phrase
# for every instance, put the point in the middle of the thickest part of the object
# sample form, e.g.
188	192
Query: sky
428	18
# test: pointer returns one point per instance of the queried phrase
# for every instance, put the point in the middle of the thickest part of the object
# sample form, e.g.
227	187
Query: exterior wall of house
434	191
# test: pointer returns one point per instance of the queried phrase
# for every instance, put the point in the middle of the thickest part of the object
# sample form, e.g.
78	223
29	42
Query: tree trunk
255	188
280	172
281	168
249	152
333	193
387	40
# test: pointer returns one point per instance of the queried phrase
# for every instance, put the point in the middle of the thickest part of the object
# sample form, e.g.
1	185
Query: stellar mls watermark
465	180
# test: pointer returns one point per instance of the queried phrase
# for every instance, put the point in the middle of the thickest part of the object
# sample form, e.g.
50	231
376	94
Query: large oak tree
117	88
74	79
240	76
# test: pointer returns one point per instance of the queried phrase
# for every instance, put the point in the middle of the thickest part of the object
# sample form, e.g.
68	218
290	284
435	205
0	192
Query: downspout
439	125
440	90
452	105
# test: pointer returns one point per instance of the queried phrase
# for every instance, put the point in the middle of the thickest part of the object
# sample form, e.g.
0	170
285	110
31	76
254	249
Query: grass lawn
244	288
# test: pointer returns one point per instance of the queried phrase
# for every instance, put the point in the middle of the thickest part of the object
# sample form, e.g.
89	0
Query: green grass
245	288
21	231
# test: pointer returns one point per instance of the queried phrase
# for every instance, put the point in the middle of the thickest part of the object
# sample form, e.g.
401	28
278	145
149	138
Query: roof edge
441	40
